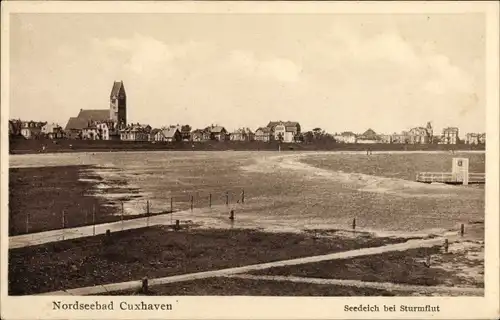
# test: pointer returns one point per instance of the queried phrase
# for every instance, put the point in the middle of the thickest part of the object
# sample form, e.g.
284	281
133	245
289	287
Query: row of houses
417	135
35	129
284	131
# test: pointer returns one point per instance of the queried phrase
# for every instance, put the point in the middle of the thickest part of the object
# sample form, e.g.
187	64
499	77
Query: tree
308	137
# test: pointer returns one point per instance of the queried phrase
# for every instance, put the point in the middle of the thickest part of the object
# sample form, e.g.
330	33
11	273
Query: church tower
430	132
118	104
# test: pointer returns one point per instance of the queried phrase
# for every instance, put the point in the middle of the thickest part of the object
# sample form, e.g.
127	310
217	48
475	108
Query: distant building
285	131
52	131
118	104
345	137
243	134
135	132
185	131
418	135
87	118
217	133
482	138
369	136
153	134
198	135
264	134
449	135
32	129
168	135
421	135
475	138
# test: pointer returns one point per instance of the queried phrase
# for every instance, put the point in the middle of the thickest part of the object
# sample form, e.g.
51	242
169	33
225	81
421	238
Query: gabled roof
198	131
217	129
155	131
86	116
369	132
170	132
264	129
117	88
348	134
272	124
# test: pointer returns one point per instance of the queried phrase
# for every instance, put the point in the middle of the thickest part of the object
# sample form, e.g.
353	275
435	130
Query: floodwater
289	189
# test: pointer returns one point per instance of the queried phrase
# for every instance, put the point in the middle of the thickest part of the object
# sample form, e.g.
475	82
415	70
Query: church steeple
118	104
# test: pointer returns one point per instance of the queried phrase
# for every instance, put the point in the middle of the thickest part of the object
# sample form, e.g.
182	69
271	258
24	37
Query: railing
448	177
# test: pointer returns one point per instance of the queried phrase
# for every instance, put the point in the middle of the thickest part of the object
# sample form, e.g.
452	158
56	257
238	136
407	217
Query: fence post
446	245
27	221
242	195
210	200
462	230
192	199
353	223
122	214
231	215
147	213
227	198
63	224
144	285
93	220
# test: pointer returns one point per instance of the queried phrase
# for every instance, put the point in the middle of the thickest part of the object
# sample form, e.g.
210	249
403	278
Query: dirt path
373	285
245	269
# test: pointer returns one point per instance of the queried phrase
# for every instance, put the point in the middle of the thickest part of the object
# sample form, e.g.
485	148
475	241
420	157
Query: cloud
283	70
145	54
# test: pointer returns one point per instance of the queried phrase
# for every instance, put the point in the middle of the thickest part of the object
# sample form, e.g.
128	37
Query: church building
89	120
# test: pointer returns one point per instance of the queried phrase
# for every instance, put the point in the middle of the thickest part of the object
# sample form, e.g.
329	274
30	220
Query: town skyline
340	73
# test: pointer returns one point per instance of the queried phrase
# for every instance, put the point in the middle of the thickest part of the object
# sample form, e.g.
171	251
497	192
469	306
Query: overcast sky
337	72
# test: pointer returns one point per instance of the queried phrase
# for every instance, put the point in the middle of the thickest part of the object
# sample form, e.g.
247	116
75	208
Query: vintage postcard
250	160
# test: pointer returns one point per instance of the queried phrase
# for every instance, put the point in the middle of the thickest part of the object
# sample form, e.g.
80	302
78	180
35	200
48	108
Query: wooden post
231	215
144	285
122	214
86	217
210	200
147	213
171	210
446	245
227	198
192	199
242	195
462	230
353	223
177	224
63	224
93	219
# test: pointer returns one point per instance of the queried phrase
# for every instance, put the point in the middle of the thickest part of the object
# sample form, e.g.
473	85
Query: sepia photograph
243	151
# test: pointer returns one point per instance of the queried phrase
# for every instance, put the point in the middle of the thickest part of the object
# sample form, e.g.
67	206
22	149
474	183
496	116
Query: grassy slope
157	252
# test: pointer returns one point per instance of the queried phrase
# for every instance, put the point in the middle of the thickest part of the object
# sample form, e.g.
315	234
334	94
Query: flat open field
38	196
289	193
159	252
246	287
283	191
404	267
